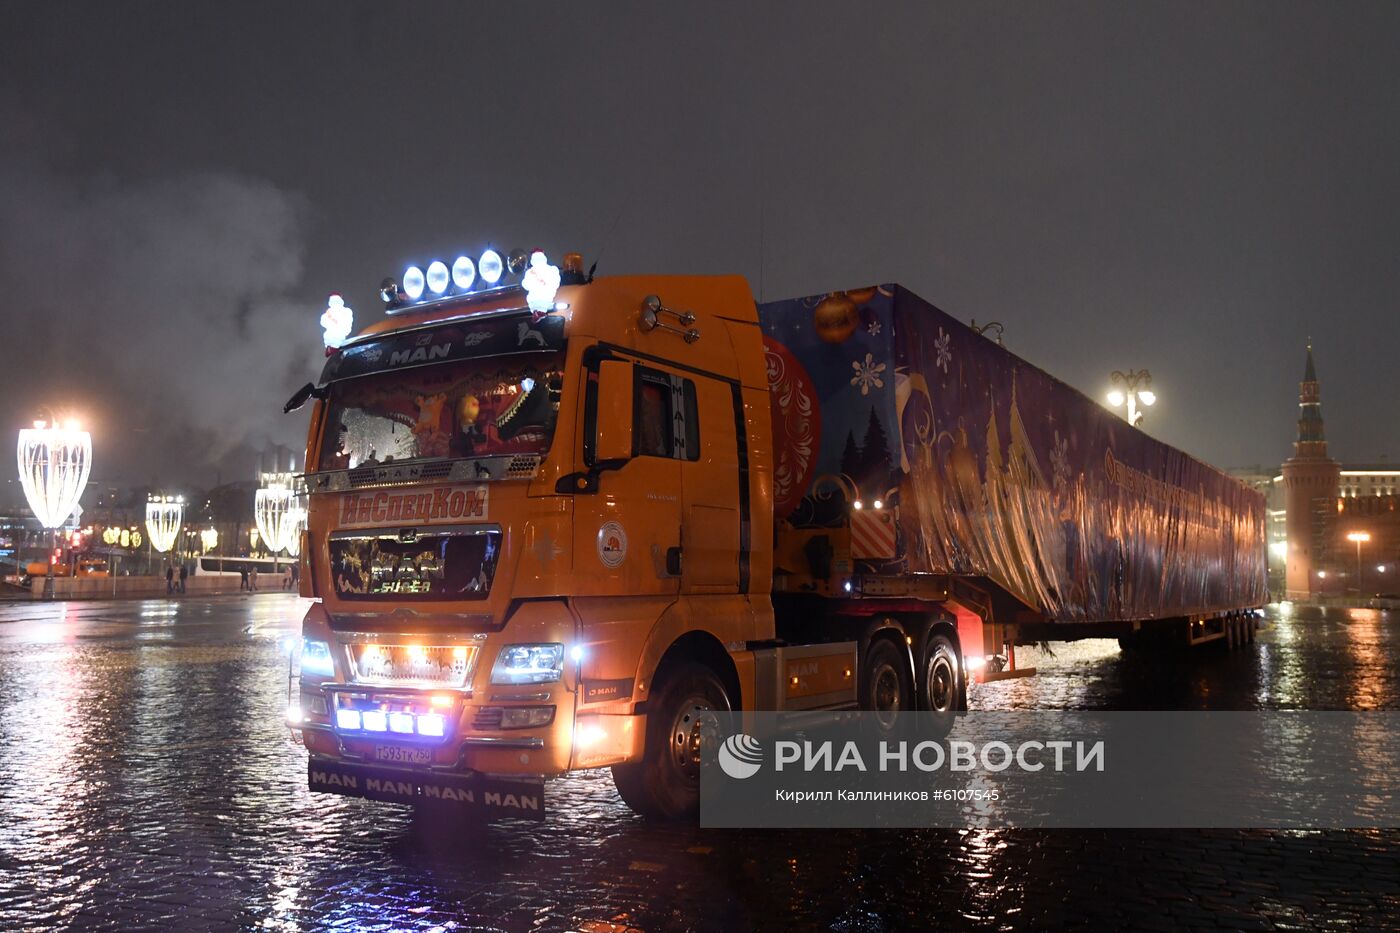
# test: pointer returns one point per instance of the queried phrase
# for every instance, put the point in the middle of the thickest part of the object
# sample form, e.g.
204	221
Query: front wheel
665	784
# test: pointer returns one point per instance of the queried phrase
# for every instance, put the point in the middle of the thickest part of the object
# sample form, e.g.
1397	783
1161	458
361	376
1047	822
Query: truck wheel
885	681
665	784
940	678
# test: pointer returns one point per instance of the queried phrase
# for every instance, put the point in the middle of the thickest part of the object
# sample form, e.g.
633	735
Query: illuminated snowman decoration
541	281
337	321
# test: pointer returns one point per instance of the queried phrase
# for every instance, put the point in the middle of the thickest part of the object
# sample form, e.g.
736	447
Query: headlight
316	658
526	717
528	664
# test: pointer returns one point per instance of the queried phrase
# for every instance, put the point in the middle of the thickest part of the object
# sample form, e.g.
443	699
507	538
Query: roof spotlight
413	283
490	267
389	291
463	272
437	277
517	262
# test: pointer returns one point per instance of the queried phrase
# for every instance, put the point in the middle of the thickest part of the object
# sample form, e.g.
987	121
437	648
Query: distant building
1311	483
1323	502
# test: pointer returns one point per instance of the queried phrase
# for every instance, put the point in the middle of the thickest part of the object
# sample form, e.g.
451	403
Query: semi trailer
551	525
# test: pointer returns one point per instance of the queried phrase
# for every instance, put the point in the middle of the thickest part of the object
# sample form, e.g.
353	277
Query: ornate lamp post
54	463
1130	388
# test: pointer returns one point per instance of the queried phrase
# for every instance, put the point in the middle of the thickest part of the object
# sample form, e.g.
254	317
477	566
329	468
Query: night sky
1194	188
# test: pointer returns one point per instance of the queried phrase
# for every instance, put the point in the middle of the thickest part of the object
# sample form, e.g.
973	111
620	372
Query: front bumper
465	793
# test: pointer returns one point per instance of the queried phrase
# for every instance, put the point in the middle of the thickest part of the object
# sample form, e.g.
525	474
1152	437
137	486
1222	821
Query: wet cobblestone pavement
148	783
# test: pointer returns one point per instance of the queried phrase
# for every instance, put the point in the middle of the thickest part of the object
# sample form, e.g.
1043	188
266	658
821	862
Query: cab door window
665	421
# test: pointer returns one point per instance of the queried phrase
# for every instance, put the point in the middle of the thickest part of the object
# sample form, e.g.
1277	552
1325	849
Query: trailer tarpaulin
994	468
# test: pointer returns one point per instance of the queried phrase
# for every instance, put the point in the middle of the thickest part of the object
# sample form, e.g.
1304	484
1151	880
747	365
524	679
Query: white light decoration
413	283
209	537
463	272
337	321
296	524
165	515
437	277
279	515
53	469
490	267
541	282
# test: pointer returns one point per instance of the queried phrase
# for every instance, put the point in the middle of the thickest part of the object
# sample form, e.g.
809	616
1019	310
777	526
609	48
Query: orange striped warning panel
872	534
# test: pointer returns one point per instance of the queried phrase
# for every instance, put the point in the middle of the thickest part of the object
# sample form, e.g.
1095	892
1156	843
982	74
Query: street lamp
1360	537
54	463
1131	387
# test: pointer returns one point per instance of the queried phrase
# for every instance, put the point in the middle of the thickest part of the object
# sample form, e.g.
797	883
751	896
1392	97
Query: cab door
710	487
627	514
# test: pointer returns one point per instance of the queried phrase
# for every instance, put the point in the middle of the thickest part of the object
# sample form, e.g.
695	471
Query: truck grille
414	665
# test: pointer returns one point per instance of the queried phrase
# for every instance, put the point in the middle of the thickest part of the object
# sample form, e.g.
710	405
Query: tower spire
1312	441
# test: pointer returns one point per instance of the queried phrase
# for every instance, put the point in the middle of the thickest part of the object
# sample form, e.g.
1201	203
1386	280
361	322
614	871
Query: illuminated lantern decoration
541	282
337	321
135	538
209	538
165	515
124	539
53	469
296	524
111	536
276	510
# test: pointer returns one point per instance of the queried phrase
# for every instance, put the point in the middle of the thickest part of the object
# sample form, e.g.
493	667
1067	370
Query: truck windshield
484	407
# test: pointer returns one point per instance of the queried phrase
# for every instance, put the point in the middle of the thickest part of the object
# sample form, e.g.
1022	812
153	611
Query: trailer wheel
665	784
885	681
940	677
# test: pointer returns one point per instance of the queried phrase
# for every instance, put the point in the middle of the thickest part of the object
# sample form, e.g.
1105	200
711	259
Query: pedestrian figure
184	572
242	579
169	579
252	579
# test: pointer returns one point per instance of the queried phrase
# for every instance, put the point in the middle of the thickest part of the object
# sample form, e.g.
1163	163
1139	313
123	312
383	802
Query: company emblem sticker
612	544
740	756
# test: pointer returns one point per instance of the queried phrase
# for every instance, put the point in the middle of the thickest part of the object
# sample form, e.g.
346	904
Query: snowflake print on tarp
945	355
873	328
867	374
1059	460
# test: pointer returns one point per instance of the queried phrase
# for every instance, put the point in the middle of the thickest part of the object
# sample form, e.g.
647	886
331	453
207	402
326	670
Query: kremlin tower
1311	486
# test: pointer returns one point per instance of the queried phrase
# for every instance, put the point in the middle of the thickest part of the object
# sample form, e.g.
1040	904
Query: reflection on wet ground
148	782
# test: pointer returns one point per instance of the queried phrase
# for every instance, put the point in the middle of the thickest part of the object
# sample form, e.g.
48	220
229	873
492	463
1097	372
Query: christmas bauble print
835	318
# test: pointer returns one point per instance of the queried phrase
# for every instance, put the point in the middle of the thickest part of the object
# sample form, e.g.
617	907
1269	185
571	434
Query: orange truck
553	520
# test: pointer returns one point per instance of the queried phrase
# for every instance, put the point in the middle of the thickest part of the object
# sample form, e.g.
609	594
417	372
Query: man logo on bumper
494	797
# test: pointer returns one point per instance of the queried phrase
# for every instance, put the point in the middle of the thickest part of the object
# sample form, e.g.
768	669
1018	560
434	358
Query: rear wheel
886	686
941	685
665	784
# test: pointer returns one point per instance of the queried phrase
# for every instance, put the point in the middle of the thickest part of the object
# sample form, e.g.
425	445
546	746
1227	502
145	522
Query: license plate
403	754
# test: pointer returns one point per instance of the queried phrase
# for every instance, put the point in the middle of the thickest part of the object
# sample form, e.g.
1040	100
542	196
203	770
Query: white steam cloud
160	310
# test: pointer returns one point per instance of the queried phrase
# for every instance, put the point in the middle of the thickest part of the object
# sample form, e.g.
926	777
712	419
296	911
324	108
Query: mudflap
480	796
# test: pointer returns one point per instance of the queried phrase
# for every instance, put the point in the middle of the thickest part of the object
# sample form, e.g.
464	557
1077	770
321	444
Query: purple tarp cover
997	469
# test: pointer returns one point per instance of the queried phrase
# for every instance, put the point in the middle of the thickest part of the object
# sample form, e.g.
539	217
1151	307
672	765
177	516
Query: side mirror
614	437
